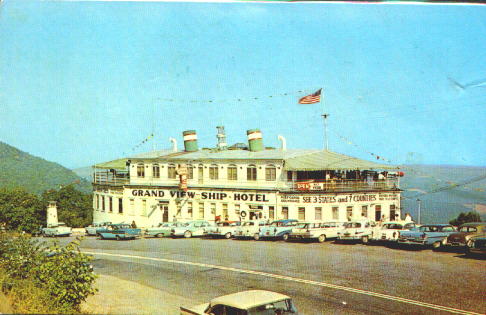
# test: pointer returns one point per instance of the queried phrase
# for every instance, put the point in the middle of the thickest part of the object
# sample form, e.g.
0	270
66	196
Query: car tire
256	236
285	237
227	235
187	234
436	245
365	240
117	237
159	235
321	238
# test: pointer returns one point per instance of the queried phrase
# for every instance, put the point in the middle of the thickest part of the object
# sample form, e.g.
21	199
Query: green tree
463	217
75	208
20	210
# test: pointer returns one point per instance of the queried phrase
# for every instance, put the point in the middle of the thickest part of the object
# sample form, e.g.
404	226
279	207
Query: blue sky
85	82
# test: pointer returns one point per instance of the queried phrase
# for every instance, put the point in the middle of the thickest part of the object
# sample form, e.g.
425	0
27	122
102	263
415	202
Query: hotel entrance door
164	207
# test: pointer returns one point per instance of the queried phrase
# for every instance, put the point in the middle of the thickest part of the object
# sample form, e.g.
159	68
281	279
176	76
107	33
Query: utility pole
419	203
324	116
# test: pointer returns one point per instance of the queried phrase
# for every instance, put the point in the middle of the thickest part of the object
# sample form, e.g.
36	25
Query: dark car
476	245
465	232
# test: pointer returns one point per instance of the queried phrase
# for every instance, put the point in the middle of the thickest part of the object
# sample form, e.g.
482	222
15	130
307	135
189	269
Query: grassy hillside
443	206
20	169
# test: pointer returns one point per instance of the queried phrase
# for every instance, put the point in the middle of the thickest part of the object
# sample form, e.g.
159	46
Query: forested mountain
34	174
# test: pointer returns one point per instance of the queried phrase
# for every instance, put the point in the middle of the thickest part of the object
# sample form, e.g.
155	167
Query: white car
245	303
93	229
224	229
390	231
320	231
61	229
359	230
190	229
250	229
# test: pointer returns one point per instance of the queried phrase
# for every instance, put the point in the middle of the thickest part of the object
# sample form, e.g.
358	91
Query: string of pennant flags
376	156
239	99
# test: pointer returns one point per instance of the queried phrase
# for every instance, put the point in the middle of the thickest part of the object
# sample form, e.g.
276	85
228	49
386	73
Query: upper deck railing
110	178
341	185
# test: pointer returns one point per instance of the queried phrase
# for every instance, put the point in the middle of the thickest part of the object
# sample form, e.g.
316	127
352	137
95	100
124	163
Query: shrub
62	273
463	217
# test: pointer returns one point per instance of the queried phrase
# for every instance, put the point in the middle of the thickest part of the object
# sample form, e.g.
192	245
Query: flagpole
325	116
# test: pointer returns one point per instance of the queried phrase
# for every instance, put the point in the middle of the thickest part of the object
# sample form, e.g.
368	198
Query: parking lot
323	278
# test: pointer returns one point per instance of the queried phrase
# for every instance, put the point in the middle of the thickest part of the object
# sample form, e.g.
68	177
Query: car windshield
277	224
280	307
353	225
392	226
468	229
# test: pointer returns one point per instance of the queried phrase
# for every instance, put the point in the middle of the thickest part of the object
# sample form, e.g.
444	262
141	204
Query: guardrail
109	178
337	185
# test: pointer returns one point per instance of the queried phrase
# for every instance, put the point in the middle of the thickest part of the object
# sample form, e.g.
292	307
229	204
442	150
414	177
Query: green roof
119	164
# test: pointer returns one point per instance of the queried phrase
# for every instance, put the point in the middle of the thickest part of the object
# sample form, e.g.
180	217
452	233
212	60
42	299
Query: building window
285	212
378	213
144	208
140	170
213	209
213	172
156	171
318	213
232	172
393	213
289	176
103	203
270	173
301	214
200	174
271	212
171	171
190	172
97	202
120	205
237	209
132	206
335	213
189	209
201	210
110	204
225	211
364	211
251	172
349	212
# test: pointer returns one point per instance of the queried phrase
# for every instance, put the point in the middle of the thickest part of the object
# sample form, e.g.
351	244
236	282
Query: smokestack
190	140
284	143
221	136
174	144
255	141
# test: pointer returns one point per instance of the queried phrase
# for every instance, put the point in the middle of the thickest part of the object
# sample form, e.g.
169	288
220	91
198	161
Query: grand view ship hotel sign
203	195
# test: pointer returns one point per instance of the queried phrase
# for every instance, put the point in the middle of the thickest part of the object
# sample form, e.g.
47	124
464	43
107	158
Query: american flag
312	98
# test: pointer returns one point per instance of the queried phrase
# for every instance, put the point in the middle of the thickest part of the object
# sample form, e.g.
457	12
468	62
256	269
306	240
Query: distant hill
20	169
84	172
441	207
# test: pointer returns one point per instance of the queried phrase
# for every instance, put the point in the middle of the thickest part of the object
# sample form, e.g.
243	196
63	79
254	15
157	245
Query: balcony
110	178
341	185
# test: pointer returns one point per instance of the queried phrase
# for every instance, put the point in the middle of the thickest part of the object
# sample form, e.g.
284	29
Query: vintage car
278	229
249	302
224	229
427	235
390	231
161	230
476	245
360	230
465	232
190	229
250	229
95	227
120	231
60	229
320	231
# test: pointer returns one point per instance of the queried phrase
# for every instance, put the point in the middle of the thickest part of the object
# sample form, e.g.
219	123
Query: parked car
245	303
190	229
120	231
465	232
93	229
427	235
476	245
278	229
390	231
224	229
320	231
60	229
360	230
250	229
161	230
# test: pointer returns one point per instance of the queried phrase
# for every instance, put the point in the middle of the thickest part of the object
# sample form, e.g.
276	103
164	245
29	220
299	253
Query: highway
321	278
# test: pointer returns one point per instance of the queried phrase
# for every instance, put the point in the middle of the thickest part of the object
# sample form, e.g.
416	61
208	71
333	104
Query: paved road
322	278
